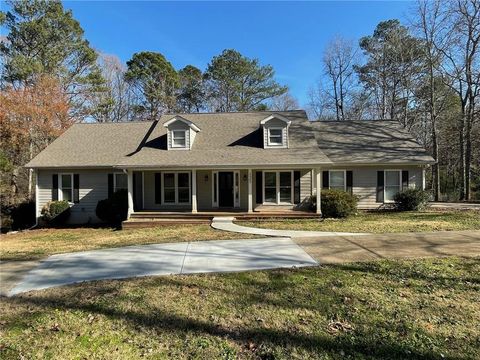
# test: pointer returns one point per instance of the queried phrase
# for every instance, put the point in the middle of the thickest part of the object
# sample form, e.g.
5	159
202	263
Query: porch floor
151	218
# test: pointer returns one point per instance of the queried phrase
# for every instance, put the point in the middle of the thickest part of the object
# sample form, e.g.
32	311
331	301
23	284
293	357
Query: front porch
195	195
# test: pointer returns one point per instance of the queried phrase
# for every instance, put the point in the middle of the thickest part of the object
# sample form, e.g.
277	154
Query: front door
225	189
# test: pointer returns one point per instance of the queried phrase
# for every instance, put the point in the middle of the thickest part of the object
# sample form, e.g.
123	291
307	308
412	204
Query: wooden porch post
250	196
318	184
194	191
130	192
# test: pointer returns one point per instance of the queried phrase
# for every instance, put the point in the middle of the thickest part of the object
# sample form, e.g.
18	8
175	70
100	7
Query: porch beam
194	191
318	186
130	192
250	196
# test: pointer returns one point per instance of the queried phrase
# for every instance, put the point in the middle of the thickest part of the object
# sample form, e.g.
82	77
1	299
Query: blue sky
288	35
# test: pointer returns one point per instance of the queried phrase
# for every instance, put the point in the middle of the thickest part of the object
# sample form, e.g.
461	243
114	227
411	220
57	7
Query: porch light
206	178
245	177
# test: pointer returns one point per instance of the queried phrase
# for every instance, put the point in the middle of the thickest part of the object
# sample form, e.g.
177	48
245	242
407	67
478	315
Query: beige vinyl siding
365	183
93	188
204	190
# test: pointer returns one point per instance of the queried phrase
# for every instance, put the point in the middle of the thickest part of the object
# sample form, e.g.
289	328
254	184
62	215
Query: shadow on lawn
105	298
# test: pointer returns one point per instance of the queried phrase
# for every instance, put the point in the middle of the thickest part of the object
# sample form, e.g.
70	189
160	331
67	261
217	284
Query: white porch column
250	196
423	178
318	187
194	191
130	192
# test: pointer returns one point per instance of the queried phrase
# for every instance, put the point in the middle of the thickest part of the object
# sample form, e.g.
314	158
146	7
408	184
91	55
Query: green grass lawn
383	222
417	309
37	244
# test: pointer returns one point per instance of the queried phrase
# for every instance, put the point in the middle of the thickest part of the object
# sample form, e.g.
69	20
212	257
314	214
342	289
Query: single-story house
238	162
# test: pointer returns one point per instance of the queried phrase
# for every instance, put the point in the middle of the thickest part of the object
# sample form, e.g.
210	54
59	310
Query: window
285	187
120	182
278	186
392	184
270	193
66	187
179	138
183	188
275	136
337	180
176	188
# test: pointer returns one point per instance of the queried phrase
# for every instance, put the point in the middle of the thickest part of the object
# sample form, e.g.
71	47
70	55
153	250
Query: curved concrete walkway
226	224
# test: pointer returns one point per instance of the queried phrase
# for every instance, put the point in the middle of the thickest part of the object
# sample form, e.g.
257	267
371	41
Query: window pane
169	180
121	181
270	179
275	136
67	181
286	194
67	194
183	195
169	195
285	179
179	142
179	138
337	180
390	192
183	180
392	178
270	195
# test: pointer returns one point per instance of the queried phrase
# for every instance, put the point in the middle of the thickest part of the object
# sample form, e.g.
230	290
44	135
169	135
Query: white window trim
115	180
215	187
269	143
175	181
277	179
344	178
60	186
385	201
173	139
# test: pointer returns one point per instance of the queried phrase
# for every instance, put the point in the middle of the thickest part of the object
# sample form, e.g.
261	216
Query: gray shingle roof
371	141
230	139
225	139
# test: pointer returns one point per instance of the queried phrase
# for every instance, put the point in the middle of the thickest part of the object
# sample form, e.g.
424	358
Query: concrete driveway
164	259
340	249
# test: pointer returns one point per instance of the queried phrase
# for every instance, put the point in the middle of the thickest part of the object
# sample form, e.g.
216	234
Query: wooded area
424	73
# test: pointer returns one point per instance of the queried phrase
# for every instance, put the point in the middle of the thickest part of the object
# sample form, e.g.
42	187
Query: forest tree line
424	73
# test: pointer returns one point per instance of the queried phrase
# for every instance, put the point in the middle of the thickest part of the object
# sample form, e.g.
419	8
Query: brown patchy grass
383	222
36	244
416	309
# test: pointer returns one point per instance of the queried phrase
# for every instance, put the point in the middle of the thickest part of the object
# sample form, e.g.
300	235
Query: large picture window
393	183
278	187
179	138
66	187
337	180
176	188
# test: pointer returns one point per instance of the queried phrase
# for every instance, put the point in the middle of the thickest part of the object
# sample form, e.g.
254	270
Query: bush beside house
56	212
411	200
336	203
114	209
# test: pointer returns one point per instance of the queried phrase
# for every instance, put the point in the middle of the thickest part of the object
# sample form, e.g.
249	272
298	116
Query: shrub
113	210
56	212
411	199
23	215
18	216
337	203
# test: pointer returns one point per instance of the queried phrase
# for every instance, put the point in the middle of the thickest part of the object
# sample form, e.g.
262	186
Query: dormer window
180	133
275	131
275	136
179	138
